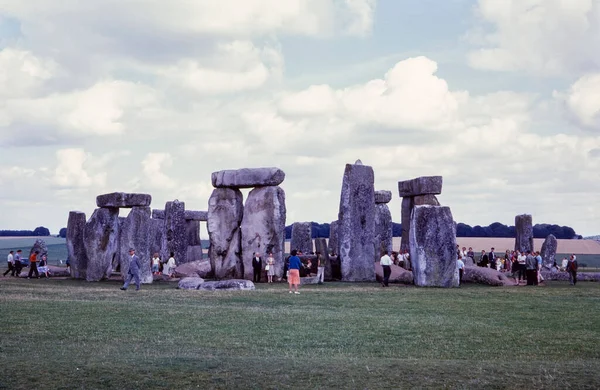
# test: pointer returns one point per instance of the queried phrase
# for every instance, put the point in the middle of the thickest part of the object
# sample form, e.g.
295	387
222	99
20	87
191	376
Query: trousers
387	271
130	277
32	269
256	278
573	277
11	268
320	274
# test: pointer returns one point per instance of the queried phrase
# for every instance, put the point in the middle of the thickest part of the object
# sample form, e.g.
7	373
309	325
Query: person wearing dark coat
256	267
134	271
483	261
531	269
572	270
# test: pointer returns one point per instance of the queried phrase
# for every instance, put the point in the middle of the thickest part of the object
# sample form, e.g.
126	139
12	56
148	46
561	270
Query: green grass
92	335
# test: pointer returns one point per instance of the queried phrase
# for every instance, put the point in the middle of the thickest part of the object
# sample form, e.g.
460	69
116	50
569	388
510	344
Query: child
155	263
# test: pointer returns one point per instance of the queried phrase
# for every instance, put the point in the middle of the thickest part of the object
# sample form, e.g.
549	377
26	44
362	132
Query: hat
131	250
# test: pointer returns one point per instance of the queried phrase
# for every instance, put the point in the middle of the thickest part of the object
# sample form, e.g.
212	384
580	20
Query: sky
500	97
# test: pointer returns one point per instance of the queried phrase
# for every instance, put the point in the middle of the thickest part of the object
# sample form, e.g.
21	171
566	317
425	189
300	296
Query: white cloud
152	167
582	101
22	73
70	170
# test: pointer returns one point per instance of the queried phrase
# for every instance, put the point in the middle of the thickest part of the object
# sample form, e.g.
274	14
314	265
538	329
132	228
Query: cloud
582	101
152	167
22	73
70	172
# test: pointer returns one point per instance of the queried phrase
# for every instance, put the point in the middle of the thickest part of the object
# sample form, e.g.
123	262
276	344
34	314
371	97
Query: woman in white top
270	268
170	266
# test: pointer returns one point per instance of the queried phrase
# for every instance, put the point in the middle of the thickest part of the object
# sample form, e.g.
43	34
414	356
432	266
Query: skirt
271	271
294	277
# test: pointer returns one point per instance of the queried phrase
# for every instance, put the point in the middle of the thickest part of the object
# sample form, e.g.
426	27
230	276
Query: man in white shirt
11	264
461	269
386	264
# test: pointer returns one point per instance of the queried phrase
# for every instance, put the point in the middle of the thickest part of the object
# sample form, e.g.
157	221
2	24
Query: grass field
74	334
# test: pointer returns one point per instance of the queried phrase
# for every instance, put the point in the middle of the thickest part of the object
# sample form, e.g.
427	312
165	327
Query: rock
58	271
433	247
302	237
248	178
101	241
225	211
321	247
398	275
333	244
194	253
175	235
75	246
421	200
196	215
408	203
383	196
383	230
231	284
263	228
524	233
356	224
487	276
197	268
158	214
469	261
548	251
564	276
123	200
420	186
309	280
40	246
190	283
135	233
156	233
192	232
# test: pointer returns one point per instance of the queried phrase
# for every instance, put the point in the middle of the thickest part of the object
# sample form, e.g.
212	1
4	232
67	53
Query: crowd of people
38	264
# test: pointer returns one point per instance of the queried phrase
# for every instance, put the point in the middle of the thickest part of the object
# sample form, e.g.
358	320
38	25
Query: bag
267	267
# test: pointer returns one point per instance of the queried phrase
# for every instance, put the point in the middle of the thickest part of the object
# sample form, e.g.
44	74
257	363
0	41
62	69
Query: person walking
572	270
386	264
270	268
461	269
256	267
33	265
10	260
134	271
18	264
294	272
540	261
322	259
531	269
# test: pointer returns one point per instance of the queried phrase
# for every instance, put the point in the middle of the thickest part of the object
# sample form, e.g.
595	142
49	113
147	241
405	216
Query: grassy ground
75	334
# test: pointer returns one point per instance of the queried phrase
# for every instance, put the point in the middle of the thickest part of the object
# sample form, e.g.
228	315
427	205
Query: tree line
39	231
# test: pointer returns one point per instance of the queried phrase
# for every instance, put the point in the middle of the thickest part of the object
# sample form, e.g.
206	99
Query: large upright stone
408	203
158	214
75	246
321	247
225	212
191	215
175	235
333	244
420	186
135	232
433	247
248	178
302	237
123	200
192	229
157	230
101	241
524	233
357	223
548	251
40	246
383	230
263	227
383	196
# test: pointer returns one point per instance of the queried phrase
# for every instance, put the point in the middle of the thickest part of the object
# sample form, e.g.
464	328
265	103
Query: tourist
406	258
519	267
321	264
461	269
134	271
572	270
464	253
43	268
458	252
18	263
483	260
564	263
294	272
33	265
68	264
531	269
169	267
270	268
507	261
539	260
386	264
155	264
492	259
257	267
471	254
10	260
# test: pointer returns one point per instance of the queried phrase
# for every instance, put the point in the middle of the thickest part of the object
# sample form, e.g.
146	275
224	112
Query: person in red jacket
33	265
572	270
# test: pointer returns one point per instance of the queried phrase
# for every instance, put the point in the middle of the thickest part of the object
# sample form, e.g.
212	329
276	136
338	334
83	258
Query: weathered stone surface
469	261
158	214
192	231
398	275
225	211
421	200
40	246
356	224
197	268
191	215
433	247
333	244
75	246
420	186
248	178
302	237
383	196
135	233
309	280
190	283
321	247
123	200
487	276
408	203
564	276
263	227
232	284
101	241
156	232
175	235
383	230
194	253
524	233
548	251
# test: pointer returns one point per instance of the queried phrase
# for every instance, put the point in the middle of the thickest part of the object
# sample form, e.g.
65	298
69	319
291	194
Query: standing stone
383	196
158	214
194	253
302	237
75	246
263	227
548	251
124	200
40	246
248	178
383	230
524	233
175	238
321	246
225	211
420	186
357	223
408	203
101	241
433	247
135	232
196	215
192	231
333	244
156	232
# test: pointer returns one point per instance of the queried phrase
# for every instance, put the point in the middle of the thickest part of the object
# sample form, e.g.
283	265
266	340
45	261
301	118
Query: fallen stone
548	251
225	211
101	241
302	237
487	276
383	196
75	246
263	228
309	280
564	276
123	200
420	186
469	261
158	214
190	283
398	275
433	247
357	223
197	268
191	215
524	233
248	178
57	272
135	233
231	284
333	244
175	236
383	230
